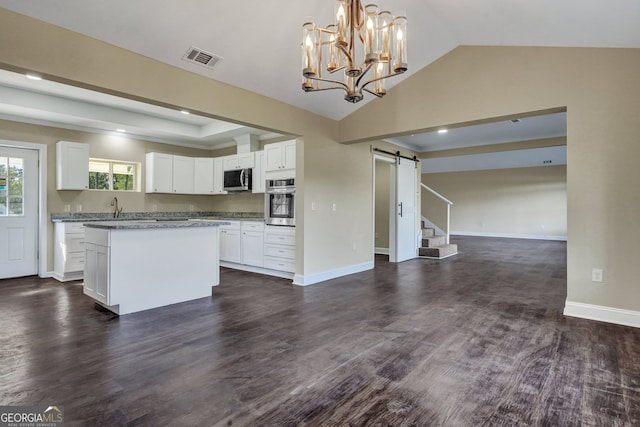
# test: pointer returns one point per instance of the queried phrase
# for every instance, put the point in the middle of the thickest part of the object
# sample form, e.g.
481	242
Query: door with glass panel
18	212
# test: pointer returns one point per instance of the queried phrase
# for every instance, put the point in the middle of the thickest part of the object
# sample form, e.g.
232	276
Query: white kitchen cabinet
68	254
239	161
159	173
183	175
280	248
218	176
231	242
253	243
166	173
280	156
258	178
72	166
131	269
96	277
203	175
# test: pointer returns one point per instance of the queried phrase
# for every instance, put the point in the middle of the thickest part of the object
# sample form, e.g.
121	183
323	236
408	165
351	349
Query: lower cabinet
252	244
96	272
68	254
231	243
96	276
280	248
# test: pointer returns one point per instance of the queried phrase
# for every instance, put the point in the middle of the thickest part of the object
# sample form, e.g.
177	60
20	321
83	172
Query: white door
405	211
18	212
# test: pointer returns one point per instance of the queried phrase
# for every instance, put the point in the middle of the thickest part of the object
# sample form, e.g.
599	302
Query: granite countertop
157	216
148	225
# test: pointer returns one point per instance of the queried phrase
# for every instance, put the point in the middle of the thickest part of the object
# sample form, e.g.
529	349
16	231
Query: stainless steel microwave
237	180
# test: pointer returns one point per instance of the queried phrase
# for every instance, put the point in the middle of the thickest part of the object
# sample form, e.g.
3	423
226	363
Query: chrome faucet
116	211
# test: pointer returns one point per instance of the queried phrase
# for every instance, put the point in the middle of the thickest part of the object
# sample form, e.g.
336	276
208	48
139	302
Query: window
11	186
113	175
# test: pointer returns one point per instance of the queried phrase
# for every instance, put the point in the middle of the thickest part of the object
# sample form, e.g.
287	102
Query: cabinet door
183	175
253	248
203	175
102	274
230	245
230	163
258	173
159	173
289	154
90	270
218	176
246	160
72	166
273	157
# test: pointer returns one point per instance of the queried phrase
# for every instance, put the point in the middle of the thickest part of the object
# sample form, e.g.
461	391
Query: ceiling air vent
200	57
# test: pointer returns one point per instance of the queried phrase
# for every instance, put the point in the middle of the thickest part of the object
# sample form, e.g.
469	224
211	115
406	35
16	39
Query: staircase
435	246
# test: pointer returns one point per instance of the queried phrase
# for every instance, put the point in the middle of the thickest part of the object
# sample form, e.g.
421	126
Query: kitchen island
132	266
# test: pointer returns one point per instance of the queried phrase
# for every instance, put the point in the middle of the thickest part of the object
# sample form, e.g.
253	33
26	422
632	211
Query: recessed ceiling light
121	130
184	112
33	76
443	130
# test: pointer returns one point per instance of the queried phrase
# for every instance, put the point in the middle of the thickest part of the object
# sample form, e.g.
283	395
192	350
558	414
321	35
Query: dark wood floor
474	340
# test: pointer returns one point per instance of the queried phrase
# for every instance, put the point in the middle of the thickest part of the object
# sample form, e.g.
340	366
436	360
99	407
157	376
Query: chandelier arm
366	70
379	78
321	79
337	69
371	92
326	88
346	53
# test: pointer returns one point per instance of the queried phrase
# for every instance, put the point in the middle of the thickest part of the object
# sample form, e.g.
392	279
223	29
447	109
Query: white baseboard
602	313
381	251
310	279
510	235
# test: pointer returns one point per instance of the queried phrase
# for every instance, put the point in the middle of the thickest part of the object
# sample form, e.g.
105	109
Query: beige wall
517	202
600	90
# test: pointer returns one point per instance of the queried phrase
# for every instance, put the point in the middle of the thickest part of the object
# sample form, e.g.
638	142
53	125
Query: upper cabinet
72	166
280	156
203	175
169	174
218	176
239	161
183	175
258	183
159	173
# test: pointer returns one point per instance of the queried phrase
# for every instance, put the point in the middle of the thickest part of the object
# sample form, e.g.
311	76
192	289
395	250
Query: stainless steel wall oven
279	202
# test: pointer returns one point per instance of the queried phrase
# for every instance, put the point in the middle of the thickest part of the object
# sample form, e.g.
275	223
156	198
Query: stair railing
448	203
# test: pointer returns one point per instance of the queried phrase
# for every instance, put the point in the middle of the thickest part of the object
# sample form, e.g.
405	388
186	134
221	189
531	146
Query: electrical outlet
334	207
191	208
154	207
79	207
597	275
67	208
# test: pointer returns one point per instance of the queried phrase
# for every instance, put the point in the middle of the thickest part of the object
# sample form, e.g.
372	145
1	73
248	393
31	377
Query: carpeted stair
435	246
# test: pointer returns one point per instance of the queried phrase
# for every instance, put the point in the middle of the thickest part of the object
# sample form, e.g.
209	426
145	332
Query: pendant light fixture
358	52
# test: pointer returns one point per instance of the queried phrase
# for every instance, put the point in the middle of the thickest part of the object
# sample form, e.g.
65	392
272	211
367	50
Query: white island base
139	266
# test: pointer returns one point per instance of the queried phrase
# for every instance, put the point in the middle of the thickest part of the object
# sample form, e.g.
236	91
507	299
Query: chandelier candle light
374	35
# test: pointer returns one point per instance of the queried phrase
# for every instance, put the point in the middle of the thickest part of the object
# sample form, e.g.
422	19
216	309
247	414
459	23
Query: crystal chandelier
366	32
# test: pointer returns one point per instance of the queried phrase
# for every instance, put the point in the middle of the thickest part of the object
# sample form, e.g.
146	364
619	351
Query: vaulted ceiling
259	43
